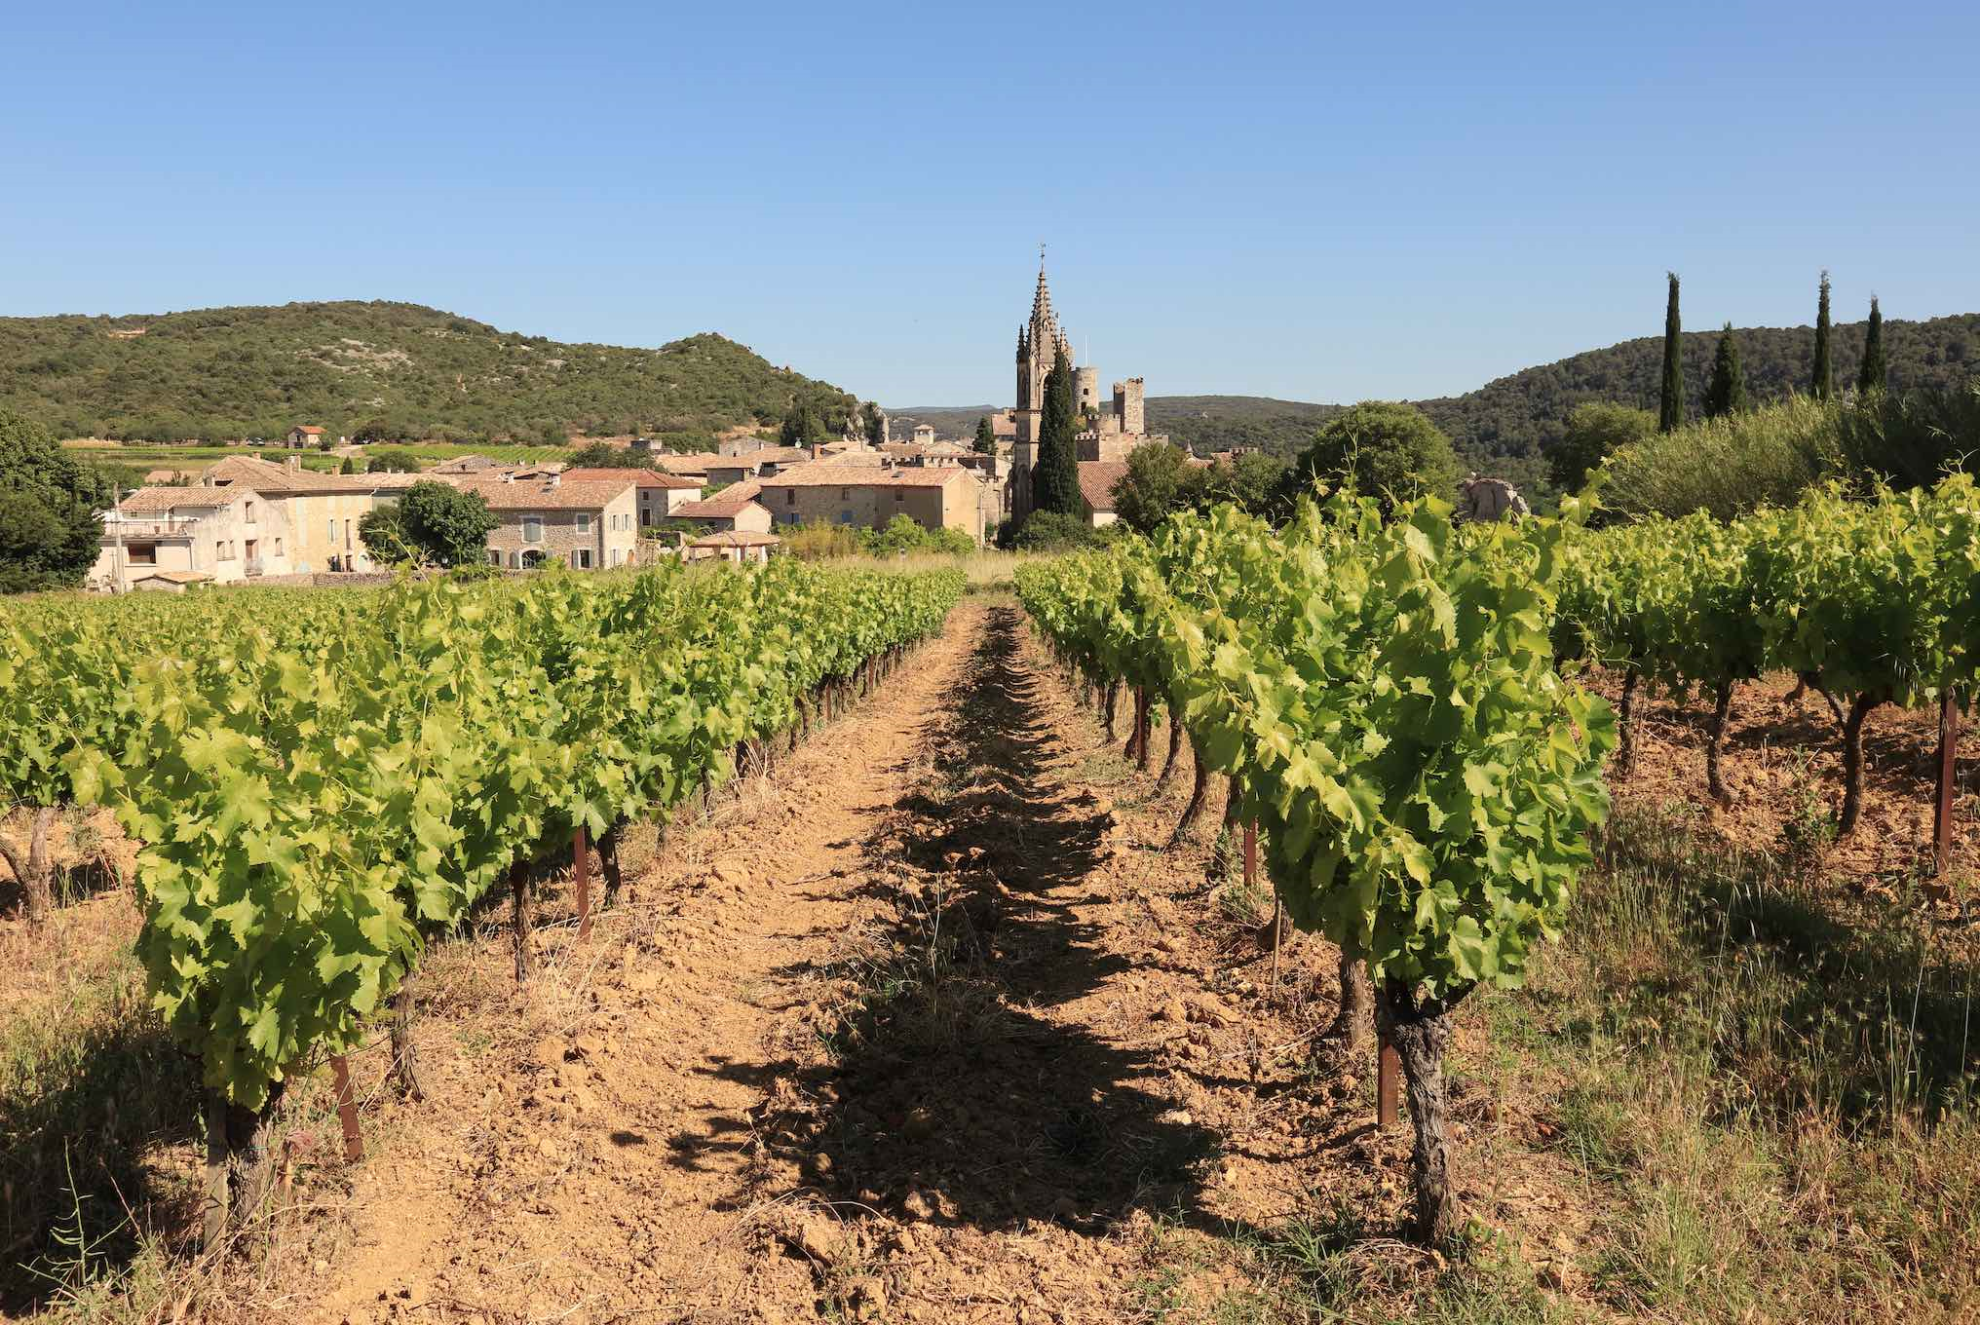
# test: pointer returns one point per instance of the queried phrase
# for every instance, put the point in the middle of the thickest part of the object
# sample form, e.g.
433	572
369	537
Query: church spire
1041	302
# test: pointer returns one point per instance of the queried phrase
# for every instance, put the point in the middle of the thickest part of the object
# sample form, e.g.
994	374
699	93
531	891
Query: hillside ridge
1507	424
391	370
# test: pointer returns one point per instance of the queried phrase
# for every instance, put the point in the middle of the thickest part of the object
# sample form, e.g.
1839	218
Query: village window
333	532
278	547
583	522
790	496
900	494
581	558
845	494
645	516
494	556
142	554
532	529
250	512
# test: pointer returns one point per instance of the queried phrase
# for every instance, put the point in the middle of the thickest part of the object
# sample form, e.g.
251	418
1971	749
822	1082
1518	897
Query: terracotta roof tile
543	495
842	474
725	504
157	501
685	464
1096	482
645	478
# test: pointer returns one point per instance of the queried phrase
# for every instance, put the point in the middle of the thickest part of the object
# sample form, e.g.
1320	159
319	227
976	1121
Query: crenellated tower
1118	425
1039	343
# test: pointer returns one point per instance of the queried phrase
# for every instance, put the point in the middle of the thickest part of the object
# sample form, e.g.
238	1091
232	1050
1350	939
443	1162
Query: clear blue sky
1319	202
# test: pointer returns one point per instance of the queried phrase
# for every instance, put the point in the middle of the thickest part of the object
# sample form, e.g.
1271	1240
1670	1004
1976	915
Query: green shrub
1054	531
1382	449
1912	439
1726	466
1595	431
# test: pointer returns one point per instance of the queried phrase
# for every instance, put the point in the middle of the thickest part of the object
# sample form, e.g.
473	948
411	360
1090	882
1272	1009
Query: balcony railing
130	529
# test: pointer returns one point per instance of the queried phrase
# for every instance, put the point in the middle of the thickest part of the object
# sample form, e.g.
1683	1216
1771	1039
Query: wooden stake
1388	1071
1278	929
213	1224
581	867
1942	809
519	911
340	1069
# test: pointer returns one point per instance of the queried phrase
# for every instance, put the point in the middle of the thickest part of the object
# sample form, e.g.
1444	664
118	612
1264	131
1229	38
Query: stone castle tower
1115	426
1039	343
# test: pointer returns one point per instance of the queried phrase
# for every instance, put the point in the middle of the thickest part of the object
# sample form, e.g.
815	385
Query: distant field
156	457
517	455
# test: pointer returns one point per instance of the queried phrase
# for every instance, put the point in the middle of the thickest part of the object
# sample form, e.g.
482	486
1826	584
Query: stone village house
246	519
588	524
660	495
846	492
735	509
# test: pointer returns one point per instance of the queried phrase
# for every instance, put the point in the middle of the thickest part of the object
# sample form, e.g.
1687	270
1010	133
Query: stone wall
1129	404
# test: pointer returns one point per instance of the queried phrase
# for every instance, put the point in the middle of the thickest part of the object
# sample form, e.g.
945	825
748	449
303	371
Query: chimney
555	479
817	450
508	476
294	464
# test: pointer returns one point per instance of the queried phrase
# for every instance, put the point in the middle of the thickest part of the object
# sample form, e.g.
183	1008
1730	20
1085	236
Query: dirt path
610	1158
922	1028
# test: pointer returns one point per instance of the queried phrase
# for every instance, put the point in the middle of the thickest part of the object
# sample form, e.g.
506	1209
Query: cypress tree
986	437
1726	392
1824	385
1874	373
1670	412
1055	478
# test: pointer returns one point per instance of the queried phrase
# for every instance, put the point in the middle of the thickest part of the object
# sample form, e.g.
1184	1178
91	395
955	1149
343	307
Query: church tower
1039	343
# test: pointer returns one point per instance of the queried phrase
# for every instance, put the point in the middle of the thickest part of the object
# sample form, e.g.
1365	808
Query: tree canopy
1055	476
802	426
1874	373
1382	449
1158	483
391	460
1726	392
1670	398
986	437
431	523
49	531
1595	432
1823	383
604	455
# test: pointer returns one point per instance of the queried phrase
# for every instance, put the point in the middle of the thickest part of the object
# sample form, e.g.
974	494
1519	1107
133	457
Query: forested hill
399	371
1523	414
1505	425
1218	423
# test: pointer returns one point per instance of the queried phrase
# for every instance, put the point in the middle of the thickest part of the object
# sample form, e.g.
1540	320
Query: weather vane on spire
1041	255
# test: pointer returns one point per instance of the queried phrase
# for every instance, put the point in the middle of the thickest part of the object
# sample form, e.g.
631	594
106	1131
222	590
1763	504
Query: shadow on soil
947	1095
1856	1010
80	1121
